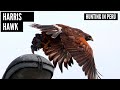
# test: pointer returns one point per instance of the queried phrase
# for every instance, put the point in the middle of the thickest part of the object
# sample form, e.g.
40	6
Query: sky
106	44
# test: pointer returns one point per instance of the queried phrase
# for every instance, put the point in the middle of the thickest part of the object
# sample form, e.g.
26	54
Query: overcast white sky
106	44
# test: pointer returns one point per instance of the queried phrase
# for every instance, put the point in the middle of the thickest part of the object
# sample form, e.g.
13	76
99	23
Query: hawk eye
89	36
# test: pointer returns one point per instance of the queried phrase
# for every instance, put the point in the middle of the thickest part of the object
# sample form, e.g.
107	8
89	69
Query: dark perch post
29	66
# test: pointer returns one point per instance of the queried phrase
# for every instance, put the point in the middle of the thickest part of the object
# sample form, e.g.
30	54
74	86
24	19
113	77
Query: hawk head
88	38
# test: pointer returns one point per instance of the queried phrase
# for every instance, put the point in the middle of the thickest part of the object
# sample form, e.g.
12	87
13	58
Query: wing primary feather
89	72
82	60
55	60
60	60
65	63
98	75
50	32
60	63
87	68
71	60
49	51
38	26
92	74
51	55
92	71
86	65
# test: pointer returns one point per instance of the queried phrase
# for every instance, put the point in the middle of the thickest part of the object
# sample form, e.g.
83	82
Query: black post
29	66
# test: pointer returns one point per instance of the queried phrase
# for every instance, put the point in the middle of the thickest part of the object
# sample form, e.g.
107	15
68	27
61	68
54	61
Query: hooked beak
91	39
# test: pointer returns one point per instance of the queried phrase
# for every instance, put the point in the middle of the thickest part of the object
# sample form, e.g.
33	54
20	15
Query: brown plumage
62	44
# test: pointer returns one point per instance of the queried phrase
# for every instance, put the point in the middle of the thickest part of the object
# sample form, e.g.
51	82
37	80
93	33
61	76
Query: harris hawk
63	44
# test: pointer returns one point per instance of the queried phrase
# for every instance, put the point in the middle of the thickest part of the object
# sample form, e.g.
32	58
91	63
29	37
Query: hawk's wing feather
43	27
53	30
57	53
82	54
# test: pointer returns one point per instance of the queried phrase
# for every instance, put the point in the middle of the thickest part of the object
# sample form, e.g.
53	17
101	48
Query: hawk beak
91	39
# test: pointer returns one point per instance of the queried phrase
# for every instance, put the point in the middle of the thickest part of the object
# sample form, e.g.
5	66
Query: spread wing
53	30
82	53
65	45
57	53
55	49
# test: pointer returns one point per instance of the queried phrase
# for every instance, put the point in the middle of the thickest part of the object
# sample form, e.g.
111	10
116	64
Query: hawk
63	44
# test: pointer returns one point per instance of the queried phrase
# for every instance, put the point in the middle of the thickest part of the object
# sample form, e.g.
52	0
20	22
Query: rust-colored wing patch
82	53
